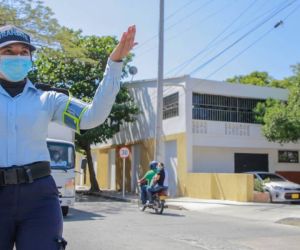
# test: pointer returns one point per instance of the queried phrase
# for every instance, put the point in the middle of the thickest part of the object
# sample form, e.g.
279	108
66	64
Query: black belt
24	174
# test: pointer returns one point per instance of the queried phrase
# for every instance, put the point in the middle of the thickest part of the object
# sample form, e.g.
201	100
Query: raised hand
125	45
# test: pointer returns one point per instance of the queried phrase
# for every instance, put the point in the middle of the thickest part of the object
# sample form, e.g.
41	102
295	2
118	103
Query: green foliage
280	119
259	78
33	17
258	185
254	78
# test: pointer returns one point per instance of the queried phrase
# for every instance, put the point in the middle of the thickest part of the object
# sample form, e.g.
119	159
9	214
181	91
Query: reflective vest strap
71	118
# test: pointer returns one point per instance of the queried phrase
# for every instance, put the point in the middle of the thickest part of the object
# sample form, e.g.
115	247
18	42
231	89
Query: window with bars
171	106
224	108
288	156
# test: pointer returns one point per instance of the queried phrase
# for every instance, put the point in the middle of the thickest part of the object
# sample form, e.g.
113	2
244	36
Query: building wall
144	127
236	90
221	160
102	167
237	187
230	134
213	144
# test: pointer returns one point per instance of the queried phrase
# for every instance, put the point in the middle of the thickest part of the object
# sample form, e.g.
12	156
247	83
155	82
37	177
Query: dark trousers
144	193
30	216
152	190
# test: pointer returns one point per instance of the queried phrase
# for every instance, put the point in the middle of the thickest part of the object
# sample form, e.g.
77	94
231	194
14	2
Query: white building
208	127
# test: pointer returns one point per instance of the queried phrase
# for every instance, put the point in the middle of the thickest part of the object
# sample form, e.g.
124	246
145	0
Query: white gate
171	166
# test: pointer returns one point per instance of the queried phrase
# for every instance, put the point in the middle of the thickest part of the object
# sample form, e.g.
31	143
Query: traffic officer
30	214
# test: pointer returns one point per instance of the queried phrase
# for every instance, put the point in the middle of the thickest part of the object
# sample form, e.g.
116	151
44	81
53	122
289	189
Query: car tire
270	195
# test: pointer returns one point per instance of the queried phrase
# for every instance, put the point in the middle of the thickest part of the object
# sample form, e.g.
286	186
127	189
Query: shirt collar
28	85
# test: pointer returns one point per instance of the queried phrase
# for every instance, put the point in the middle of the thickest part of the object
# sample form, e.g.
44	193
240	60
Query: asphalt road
95	224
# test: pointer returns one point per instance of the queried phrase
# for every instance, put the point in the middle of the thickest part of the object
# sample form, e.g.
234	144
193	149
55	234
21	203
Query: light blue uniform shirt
24	118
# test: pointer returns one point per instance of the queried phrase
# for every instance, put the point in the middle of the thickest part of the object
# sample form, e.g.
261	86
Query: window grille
171	106
224	108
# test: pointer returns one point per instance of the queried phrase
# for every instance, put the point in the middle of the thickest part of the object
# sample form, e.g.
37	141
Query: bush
258	185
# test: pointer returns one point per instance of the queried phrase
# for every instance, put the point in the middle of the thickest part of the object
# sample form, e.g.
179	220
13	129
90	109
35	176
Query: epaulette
47	87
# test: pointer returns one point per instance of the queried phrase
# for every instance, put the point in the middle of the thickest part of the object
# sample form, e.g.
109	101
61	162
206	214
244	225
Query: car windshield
270	177
62	155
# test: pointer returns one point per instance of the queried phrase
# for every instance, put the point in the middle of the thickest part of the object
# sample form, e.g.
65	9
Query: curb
128	200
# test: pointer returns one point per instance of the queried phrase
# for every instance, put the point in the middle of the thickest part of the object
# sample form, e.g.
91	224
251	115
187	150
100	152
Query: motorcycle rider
147	179
159	182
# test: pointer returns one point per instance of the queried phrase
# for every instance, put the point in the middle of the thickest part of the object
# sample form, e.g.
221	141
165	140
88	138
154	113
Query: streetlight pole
159	108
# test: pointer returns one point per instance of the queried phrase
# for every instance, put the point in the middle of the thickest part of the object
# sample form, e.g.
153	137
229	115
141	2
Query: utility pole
159	103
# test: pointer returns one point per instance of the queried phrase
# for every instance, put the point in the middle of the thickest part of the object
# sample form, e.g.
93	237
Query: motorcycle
159	202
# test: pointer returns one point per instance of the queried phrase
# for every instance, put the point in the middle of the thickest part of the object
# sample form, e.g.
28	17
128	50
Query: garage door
250	162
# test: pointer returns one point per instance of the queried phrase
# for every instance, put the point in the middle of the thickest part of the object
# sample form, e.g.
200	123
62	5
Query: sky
203	38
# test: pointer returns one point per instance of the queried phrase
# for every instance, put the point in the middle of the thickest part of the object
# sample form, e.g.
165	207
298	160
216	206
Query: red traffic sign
124	152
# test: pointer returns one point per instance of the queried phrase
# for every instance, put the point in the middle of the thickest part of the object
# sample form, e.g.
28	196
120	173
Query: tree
33	17
81	76
258	78
281	120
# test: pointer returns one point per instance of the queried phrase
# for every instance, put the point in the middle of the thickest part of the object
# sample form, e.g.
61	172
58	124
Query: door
251	162
171	166
112	169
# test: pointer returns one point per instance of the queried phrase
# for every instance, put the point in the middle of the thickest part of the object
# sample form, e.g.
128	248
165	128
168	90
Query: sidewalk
186	203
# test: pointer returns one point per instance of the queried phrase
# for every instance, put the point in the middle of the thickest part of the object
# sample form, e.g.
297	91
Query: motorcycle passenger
158	182
147	179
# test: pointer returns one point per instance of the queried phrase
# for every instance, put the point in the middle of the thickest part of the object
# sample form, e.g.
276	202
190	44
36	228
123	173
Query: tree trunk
93	179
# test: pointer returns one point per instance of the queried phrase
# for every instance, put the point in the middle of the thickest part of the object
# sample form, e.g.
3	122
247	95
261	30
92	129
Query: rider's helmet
153	165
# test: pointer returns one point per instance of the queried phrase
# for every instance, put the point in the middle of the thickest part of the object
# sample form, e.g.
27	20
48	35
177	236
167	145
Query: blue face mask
15	68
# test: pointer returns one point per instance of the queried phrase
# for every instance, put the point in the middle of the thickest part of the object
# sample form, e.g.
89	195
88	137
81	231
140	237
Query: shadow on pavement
80	215
290	221
91	198
172	215
164	214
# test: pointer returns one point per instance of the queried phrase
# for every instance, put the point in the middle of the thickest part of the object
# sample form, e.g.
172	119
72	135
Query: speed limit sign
124	152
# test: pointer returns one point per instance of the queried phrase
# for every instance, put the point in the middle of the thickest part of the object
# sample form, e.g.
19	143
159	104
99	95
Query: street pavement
98	223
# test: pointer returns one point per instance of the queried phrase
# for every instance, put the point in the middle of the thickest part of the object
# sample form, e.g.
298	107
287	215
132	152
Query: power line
178	10
189	15
272	10
280	23
187	29
187	62
171	26
203	20
240	39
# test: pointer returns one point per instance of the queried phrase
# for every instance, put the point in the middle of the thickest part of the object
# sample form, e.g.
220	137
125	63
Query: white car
280	189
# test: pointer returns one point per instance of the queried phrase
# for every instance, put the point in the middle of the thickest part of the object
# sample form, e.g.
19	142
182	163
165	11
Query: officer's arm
79	115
